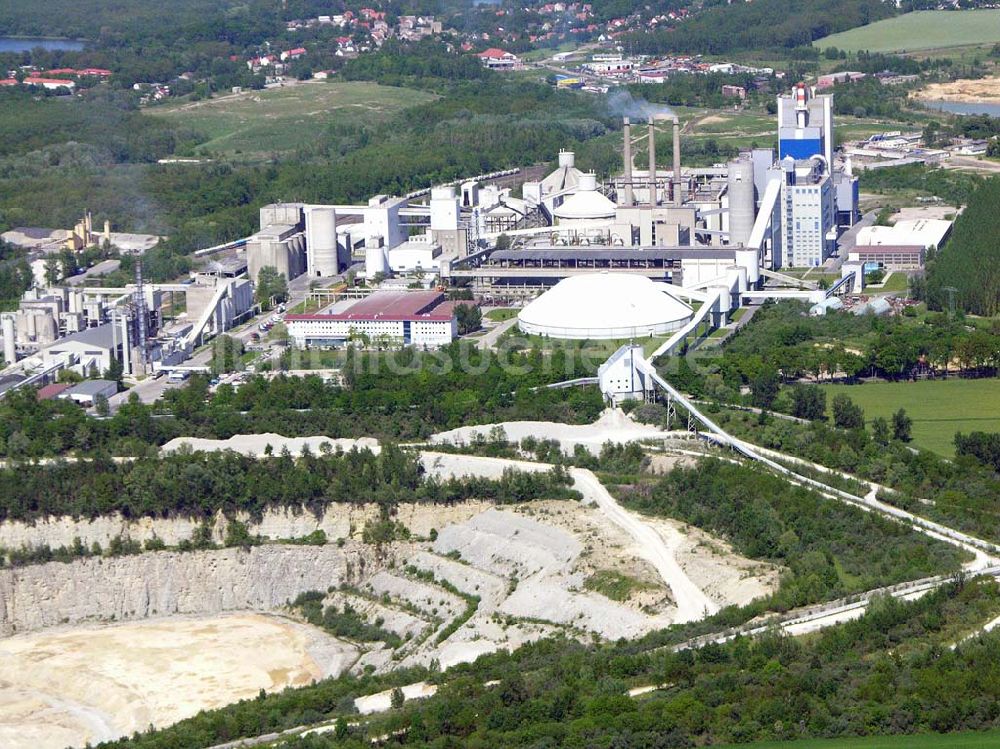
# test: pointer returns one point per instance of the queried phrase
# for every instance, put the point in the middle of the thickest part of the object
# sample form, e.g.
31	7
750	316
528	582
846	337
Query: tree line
767	24
970	263
960	493
418	394
829	549
203	484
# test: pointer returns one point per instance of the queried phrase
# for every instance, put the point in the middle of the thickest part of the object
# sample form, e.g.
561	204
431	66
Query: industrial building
926	232
889	256
603	306
89	392
417	318
807	198
805	125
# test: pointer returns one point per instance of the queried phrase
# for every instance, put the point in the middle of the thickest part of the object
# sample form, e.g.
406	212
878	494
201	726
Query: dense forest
890	672
763	24
960	493
399	395
970	262
786	344
829	549
200	485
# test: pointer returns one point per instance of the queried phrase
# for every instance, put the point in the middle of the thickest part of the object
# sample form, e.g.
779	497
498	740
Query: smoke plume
622	104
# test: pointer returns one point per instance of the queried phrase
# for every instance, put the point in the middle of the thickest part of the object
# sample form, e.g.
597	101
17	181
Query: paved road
848	240
489	339
102	268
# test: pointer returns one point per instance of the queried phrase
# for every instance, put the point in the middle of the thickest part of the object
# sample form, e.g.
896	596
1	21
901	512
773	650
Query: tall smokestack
677	161
652	164
627	155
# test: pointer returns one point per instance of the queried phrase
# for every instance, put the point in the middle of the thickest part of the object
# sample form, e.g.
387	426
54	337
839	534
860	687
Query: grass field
922	30
256	124
501	313
939	408
964	740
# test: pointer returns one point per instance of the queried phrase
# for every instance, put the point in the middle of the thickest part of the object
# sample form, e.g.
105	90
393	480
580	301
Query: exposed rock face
339	520
163	583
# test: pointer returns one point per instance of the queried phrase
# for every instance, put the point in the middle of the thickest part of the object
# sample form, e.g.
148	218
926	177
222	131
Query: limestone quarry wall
163	583
340	520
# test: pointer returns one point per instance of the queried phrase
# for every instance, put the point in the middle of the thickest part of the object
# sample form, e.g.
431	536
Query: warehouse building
418	318
889	256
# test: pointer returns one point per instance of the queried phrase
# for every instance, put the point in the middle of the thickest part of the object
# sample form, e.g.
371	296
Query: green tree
398	698
808	402
470	318
847	414
764	388
880	431
271	286
902	426
226	353
53	270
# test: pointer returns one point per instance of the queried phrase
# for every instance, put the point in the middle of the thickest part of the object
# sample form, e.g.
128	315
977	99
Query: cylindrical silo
321	241
375	260
9	347
741	201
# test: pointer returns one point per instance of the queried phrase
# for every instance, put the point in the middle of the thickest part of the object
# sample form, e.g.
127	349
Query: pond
26	43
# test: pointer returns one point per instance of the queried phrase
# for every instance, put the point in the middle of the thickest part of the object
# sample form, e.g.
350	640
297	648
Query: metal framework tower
139	299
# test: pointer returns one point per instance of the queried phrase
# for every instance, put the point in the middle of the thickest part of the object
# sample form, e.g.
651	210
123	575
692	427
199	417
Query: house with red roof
498	59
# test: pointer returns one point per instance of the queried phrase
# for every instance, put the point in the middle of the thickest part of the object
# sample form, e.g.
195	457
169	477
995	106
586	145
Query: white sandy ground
65	687
691	602
527	563
658	548
257	444
613	425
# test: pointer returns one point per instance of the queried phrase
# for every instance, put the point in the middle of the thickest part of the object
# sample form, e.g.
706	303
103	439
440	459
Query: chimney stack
652	164
627	153
677	161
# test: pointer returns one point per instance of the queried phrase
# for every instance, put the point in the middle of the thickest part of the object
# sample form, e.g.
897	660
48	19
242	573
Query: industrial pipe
677	161
652	164
627	155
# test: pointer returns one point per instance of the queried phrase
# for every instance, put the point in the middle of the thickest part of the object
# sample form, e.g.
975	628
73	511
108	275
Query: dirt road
692	603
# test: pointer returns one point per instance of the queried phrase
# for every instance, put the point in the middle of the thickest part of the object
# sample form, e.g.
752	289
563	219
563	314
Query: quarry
100	647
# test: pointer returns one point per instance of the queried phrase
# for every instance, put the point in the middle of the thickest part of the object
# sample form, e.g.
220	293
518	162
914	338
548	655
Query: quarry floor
68	686
528	564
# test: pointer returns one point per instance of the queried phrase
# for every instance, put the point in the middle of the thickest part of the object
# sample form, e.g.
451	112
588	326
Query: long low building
889	256
418	318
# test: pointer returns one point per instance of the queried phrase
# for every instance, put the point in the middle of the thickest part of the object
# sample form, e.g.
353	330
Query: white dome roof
604	305
587	203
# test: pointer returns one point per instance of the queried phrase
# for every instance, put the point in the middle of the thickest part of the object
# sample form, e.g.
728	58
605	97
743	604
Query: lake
965	107
24	44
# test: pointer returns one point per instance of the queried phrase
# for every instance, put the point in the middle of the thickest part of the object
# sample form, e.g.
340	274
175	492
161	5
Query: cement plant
120	620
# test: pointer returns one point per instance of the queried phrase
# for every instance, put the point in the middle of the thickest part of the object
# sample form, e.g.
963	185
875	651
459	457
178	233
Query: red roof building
498	59
52	390
421	318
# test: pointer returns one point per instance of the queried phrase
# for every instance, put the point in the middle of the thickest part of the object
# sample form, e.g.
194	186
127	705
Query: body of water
24	44
965	107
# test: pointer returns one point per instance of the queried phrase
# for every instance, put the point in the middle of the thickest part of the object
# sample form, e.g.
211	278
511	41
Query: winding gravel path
692	603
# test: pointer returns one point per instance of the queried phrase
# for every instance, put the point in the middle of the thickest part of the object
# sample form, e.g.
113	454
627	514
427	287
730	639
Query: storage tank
321	241
9	347
741	201
444	209
375	259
